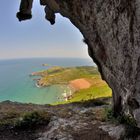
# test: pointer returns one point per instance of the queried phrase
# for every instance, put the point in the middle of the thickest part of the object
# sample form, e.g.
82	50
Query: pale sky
36	37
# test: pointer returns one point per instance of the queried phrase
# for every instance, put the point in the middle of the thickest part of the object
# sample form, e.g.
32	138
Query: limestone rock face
111	29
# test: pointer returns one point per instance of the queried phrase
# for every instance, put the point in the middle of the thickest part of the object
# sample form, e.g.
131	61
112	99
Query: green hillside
63	75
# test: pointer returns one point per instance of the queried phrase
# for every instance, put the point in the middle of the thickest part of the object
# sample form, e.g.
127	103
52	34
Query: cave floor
75	121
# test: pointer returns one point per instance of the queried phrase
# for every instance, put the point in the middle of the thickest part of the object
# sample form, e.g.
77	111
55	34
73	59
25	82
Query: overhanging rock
111	29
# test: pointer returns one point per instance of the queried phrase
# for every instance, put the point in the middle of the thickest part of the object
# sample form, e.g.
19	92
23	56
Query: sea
17	85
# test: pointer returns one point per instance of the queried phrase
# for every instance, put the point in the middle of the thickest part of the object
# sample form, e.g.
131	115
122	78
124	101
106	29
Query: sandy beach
80	84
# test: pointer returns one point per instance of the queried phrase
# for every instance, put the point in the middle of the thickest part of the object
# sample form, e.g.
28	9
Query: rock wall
111	29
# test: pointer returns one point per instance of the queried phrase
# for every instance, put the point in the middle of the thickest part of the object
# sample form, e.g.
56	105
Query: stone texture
82	124
73	121
111	29
116	131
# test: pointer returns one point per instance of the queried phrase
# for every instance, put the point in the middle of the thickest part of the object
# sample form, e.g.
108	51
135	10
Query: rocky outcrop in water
111	29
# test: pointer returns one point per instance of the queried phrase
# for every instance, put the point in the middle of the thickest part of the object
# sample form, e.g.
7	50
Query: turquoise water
17	85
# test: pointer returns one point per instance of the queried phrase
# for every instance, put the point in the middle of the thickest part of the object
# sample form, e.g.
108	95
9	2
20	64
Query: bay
17	85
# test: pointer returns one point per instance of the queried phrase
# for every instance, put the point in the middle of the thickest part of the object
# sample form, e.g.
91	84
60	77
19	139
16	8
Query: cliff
111	29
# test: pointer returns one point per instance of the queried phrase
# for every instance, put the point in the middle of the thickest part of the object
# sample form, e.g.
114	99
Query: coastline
76	83
73	86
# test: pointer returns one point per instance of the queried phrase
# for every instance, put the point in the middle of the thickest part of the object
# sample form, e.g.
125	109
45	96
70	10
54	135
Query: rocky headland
84	82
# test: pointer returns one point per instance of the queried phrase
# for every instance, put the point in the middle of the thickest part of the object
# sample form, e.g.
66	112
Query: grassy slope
98	89
92	93
61	75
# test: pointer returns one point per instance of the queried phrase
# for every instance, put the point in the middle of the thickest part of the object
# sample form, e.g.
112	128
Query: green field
91	93
63	75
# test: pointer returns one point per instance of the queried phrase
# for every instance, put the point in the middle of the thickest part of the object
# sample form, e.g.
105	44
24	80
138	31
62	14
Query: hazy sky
36	37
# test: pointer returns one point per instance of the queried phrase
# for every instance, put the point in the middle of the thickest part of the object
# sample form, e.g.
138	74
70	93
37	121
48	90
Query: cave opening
113	41
111	32
38	39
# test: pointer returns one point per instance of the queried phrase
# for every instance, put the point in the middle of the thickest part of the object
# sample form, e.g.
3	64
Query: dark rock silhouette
25	10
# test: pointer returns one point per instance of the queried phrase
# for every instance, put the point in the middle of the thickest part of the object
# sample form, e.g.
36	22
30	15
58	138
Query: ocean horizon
17	85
